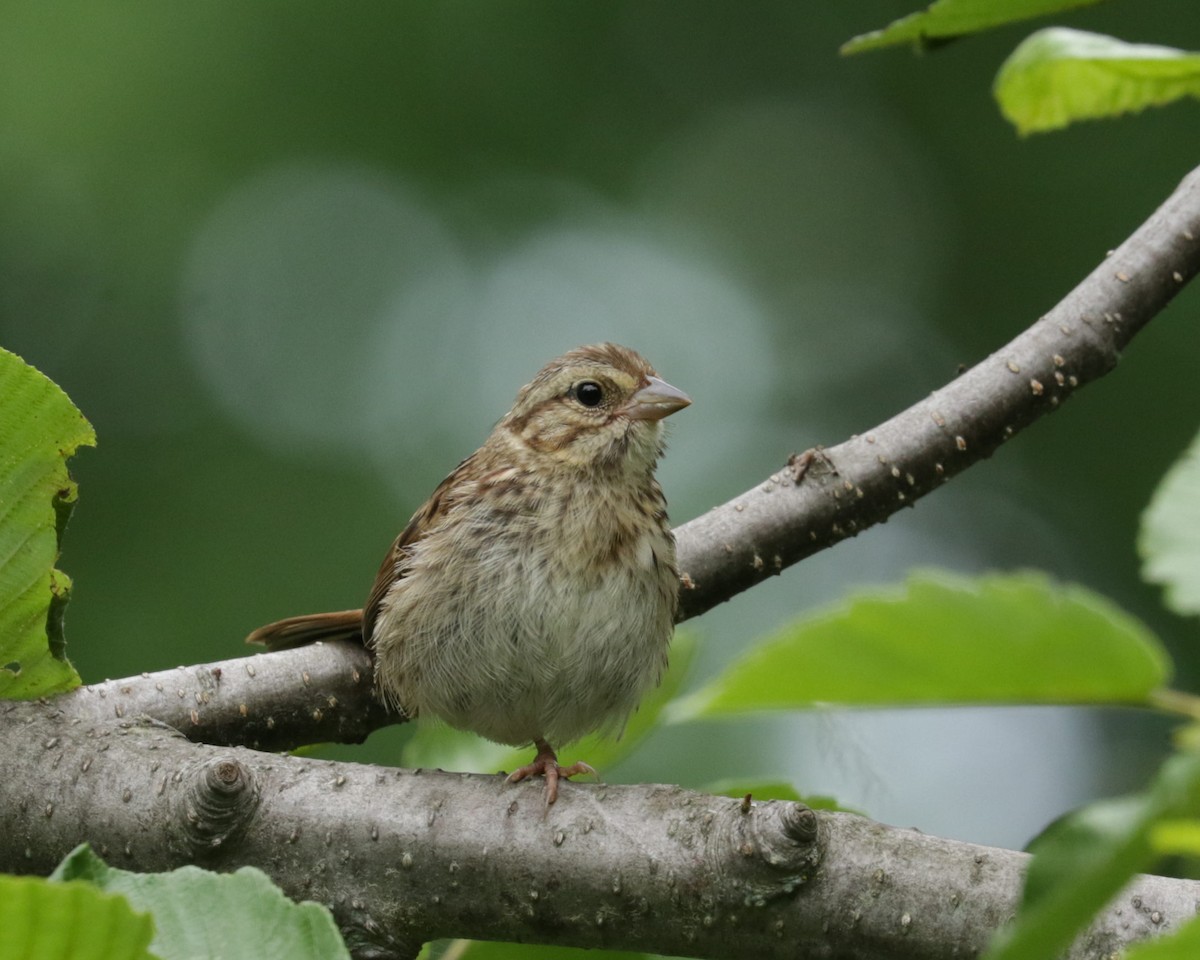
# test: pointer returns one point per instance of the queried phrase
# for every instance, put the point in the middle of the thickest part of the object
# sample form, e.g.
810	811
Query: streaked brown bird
532	598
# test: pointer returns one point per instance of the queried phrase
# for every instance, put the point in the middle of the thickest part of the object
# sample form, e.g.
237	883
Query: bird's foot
546	764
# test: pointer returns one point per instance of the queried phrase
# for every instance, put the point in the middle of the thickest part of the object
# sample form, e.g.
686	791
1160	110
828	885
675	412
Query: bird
532	598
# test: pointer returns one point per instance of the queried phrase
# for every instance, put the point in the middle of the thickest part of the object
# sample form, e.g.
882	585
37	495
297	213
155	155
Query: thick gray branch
403	856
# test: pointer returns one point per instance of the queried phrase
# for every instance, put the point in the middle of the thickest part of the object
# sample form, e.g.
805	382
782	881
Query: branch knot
779	835
219	799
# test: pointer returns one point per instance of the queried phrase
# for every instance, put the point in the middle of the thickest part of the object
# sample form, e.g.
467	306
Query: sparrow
532	598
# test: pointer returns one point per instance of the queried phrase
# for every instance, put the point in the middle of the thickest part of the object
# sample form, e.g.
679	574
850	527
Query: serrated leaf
943	639
945	19
41	920
235	916
1084	859
1169	539
437	745
1058	76
39	429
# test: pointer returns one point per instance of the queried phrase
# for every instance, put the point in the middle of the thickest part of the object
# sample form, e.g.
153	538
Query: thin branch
824	497
405	856
275	701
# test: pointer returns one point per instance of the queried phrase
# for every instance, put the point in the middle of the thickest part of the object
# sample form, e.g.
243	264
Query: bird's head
597	407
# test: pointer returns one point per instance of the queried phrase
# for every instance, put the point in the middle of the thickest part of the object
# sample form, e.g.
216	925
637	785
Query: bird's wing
423	521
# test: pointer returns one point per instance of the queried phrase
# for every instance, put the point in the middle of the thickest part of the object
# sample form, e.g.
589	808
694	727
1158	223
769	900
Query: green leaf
773	790
41	920
1169	540
760	790
434	745
1018	638
437	745
945	19
1058	76
1181	944
481	950
202	914
1084	859
1180	836
39	429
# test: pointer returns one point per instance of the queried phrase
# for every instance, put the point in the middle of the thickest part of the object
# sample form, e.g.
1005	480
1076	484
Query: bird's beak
657	399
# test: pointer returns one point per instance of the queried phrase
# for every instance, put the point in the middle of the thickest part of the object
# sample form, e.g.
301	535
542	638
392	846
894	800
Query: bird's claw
546	764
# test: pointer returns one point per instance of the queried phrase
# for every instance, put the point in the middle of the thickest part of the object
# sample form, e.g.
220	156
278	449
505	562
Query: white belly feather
540	642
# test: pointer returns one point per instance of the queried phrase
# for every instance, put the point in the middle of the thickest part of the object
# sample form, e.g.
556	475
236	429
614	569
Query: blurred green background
293	259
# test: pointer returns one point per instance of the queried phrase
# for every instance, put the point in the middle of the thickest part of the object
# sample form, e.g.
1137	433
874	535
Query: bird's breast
547	622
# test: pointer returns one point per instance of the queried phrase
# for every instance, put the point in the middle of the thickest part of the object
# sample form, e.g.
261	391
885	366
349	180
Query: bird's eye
588	392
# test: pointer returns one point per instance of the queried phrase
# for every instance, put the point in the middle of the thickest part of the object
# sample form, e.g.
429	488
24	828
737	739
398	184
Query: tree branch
820	498
274	701
823	497
404	856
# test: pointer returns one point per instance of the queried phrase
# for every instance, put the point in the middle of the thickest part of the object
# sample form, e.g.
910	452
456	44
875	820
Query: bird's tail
297	631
